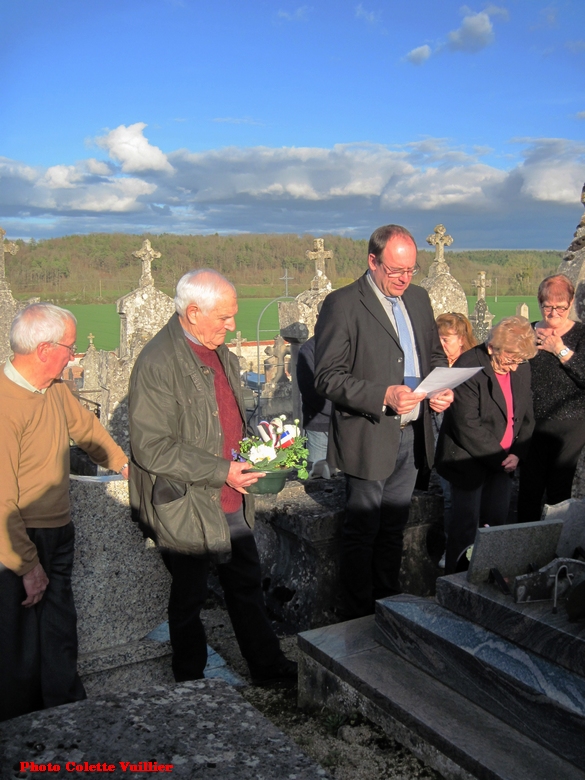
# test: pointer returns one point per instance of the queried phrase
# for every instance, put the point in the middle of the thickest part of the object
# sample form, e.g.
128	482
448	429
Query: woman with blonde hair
485	432
558	390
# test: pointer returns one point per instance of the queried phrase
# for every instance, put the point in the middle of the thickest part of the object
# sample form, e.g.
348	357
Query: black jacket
357	357
469	440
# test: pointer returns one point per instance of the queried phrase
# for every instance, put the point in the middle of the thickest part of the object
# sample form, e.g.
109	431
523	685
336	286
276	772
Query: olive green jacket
178	470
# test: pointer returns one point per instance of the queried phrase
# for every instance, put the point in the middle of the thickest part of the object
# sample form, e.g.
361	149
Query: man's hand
510	462
238	480
402	399
441	401
35	584
125	471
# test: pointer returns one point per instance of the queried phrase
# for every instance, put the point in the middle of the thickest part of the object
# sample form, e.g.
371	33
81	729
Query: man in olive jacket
186	418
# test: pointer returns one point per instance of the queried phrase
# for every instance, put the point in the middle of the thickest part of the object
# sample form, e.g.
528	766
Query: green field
102	320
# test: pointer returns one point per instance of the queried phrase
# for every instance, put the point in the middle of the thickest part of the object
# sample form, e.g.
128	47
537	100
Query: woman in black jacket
485	432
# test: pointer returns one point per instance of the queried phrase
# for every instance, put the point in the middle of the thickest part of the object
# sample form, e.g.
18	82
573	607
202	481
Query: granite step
344	667
531	694
531	626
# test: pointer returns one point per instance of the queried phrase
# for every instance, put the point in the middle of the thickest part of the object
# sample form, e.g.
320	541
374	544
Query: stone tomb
202	729
473	683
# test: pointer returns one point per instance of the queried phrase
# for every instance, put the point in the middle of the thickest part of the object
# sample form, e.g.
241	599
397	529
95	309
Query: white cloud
580	115
575	47
419	55
367	16
298	15
476	32
98	167
128	146
345	188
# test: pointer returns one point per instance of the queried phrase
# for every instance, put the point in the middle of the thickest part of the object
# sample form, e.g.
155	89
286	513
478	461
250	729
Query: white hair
204	287
37	323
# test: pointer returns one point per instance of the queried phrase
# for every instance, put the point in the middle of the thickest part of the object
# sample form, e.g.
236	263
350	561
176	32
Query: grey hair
37	323
204	287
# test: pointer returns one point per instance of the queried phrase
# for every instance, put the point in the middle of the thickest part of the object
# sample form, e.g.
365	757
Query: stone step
532	626
531	694
345	668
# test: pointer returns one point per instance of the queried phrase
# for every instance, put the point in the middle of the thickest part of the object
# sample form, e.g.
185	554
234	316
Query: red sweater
230	418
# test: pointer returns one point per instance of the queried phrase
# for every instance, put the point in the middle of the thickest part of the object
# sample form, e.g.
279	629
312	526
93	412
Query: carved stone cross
237	343
5	246
319	255
146	254
481	283
439	239
90	338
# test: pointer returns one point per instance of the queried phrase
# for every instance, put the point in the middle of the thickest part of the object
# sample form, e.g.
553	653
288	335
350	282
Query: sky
187	116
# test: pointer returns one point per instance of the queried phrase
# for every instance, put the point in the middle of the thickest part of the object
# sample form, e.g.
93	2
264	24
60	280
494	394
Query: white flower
260	451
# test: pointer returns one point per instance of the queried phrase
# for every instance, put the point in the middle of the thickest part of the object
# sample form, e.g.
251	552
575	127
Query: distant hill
100	266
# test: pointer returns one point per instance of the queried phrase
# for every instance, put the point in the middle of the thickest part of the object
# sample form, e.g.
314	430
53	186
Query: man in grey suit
376	339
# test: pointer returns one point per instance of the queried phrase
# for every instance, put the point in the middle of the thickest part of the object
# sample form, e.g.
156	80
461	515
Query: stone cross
439	239
319	255
5	246
146	254
237	343
90	338
481	283
286	279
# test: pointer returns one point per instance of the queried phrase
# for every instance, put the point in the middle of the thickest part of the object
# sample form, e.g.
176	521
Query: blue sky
190	117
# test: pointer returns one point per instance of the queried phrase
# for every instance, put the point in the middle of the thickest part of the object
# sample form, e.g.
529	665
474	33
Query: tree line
100	266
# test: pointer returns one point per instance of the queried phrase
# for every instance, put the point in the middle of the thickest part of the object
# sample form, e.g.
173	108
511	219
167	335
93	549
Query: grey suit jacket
357	356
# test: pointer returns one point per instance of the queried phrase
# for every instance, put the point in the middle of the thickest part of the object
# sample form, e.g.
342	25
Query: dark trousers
241	584
38	645
487	504
376	513
550	466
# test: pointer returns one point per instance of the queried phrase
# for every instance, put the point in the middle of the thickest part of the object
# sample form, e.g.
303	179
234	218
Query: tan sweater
34	463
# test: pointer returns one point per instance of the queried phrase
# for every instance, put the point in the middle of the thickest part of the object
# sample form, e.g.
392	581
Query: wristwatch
564	351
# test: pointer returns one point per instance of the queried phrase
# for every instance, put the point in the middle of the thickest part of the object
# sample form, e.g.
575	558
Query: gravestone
481	318
522	310
445	292
9	306
143	312
297	318
573	266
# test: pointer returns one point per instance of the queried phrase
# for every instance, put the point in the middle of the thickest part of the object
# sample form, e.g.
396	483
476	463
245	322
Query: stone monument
143	312
481	318
573	266
445	292
9	306
297	318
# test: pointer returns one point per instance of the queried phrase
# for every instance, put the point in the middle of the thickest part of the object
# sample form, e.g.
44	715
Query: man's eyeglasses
558	309
71	347
396	272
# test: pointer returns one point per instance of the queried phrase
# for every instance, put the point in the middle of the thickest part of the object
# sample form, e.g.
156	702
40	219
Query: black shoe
283	673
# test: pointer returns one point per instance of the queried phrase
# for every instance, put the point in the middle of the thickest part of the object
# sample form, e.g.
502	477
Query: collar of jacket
190	365
376	309
493	384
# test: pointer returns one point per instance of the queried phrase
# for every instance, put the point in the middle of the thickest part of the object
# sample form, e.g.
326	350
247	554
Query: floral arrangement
278	446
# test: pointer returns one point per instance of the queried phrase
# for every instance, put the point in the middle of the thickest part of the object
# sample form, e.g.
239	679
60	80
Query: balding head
204	288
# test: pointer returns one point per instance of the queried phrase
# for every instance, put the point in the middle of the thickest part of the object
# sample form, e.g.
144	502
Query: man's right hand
402	399
35	584
238	480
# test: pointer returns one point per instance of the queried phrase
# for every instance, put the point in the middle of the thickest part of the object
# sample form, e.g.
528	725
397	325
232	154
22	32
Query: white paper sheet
444	379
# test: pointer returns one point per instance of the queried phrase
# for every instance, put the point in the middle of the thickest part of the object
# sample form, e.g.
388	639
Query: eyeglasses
396	272
506	361
71	347
558	309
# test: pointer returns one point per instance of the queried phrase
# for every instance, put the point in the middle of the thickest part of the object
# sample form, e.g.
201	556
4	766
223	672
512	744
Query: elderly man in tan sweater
38	417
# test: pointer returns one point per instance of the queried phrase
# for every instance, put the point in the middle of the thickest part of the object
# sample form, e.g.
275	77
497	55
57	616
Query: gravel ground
350	748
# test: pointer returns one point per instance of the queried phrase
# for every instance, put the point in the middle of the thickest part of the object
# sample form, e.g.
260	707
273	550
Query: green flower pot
272	483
